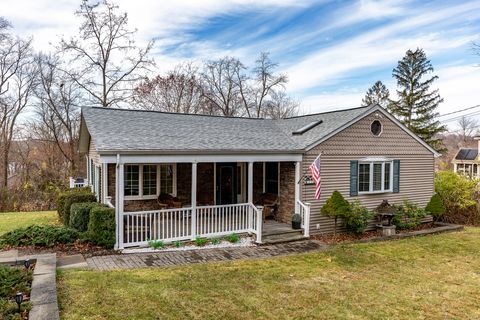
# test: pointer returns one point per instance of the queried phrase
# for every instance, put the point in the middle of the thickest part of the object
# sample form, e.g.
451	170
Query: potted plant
296	221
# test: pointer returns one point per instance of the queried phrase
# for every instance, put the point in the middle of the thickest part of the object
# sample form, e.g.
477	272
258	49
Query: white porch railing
304	211
177	224
74	183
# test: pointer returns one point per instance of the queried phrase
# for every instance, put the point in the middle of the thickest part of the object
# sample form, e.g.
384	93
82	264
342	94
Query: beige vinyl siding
92	153
357	142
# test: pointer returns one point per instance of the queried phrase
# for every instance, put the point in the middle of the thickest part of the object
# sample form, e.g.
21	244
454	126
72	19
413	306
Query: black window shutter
353	178
396	176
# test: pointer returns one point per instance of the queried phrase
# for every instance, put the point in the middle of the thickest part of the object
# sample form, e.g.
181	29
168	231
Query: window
375	177
166	178
149	180
132	180
376	128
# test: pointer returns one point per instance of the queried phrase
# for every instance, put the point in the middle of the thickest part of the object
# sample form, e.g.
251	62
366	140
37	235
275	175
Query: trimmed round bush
101	228
66	199
80	215
356	220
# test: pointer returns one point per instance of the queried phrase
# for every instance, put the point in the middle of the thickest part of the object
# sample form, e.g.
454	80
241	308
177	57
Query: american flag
315	170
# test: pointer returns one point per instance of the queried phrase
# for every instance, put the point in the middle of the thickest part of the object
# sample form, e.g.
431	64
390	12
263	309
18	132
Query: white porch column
119	197
454	167
250	195
194	200
104	182
250	183
298	165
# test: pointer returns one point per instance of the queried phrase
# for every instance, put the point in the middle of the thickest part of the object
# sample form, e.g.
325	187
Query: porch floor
271	226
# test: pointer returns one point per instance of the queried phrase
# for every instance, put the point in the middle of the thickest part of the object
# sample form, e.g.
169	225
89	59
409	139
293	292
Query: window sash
375	177
150	182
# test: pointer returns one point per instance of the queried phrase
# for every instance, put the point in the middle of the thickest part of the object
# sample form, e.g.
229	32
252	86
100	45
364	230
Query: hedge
39	235
80	215
66	199
101	228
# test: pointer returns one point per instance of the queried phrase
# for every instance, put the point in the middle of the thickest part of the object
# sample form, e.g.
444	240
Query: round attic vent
376	128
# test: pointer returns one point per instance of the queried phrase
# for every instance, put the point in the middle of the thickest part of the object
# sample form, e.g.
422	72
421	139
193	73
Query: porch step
279	238
270	232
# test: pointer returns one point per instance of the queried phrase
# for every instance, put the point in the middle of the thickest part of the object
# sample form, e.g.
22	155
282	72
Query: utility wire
461	110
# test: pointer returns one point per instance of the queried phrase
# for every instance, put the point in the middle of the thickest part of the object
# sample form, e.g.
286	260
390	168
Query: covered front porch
214	196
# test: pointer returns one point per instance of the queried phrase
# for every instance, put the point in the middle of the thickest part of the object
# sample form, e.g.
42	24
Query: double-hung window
375	176
147	181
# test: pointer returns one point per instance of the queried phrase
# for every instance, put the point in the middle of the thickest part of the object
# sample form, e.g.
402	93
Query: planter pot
296	225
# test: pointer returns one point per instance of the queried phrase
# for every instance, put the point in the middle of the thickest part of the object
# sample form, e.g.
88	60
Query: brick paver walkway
165	259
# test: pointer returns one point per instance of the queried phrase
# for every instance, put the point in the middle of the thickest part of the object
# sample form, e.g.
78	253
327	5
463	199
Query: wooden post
194	200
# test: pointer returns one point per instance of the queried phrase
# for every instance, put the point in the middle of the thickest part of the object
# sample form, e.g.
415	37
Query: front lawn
13	220
433	277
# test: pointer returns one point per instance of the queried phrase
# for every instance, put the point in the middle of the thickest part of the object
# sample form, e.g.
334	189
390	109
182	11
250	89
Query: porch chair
167	201
269	201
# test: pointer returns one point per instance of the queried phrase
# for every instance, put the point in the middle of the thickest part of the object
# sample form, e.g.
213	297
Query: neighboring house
467	161
219	167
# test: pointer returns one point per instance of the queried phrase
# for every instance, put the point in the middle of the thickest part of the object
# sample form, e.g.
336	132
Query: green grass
434	277
12	220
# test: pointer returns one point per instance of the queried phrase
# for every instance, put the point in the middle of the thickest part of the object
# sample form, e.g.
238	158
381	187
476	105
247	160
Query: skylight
307	127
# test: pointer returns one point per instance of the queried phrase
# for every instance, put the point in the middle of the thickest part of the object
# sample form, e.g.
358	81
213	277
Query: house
219	168
467	161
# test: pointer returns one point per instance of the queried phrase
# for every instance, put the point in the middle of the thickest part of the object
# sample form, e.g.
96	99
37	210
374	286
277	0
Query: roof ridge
332	111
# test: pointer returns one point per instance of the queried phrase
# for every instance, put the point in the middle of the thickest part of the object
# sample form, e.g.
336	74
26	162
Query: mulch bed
86	249
347	237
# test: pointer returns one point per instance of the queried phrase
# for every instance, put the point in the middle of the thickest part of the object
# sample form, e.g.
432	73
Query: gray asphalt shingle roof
135	130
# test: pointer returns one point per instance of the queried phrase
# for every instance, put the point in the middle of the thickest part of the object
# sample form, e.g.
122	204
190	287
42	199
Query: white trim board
145	159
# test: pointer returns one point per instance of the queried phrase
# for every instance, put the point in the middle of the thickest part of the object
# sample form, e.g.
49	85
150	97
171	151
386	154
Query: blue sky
332	51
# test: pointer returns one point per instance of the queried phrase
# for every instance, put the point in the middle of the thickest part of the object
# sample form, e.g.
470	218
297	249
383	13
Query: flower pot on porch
296	221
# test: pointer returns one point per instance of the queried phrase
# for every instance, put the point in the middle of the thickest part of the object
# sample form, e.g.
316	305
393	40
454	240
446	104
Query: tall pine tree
417	104
377	94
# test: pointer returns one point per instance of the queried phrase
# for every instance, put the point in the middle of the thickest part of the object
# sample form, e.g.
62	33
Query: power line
460	117
461	110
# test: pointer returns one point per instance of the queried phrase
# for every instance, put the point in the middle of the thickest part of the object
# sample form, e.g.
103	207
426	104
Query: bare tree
222	81
57	110
4	26
17	81
265	84
178	91
468	127
280	106
107	63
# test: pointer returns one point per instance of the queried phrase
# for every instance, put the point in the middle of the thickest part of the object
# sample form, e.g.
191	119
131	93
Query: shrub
436	207
201	241
357	218
178	244
101	227
335	207
66	199
156	244
13	280
456	191
39	235
216	241
459	196
80	215
409	215
233	238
